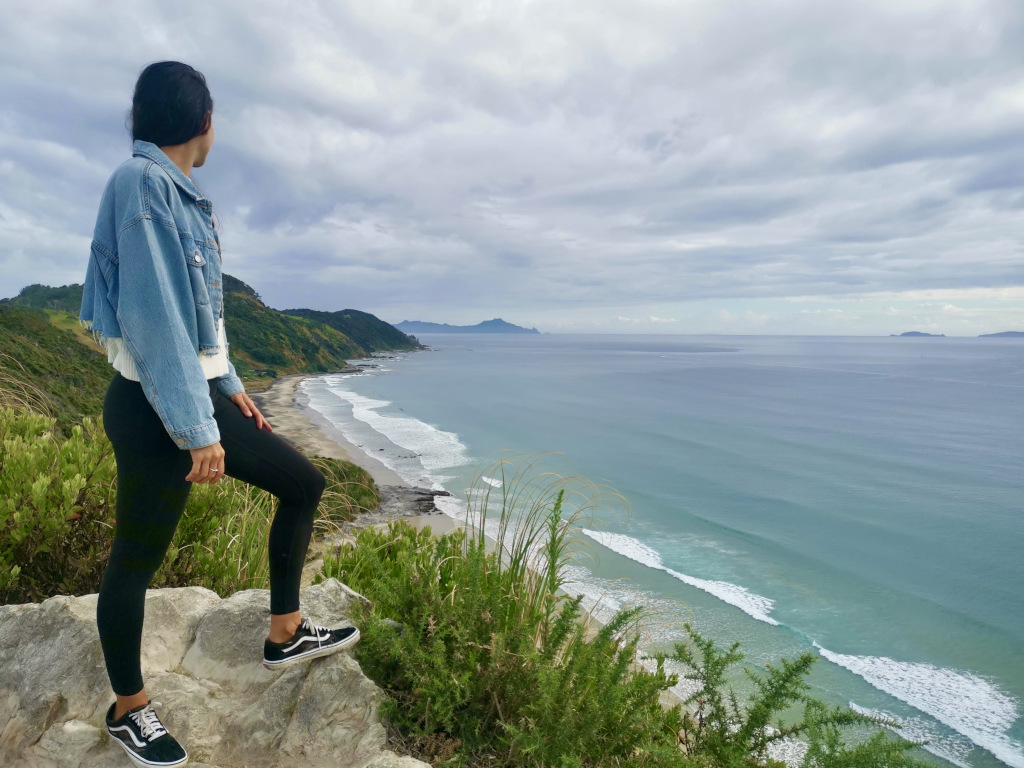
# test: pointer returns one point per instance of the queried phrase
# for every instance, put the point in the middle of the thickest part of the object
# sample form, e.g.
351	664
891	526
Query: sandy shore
288	411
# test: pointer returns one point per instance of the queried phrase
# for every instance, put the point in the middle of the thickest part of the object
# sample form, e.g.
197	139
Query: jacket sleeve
230	384
155	311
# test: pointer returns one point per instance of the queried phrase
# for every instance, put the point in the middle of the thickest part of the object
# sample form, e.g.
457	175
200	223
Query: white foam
493	482
437	448
788	750
452	506
432	448
754	605
953	750
967	703
598	600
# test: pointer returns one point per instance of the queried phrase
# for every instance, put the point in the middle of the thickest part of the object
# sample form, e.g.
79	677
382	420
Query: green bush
493	658
726	734
56	506
485	663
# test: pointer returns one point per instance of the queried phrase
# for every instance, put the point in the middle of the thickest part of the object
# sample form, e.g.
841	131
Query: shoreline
289	413
288	410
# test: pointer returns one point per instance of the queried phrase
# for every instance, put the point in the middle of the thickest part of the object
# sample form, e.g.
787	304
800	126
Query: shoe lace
316	629
148	721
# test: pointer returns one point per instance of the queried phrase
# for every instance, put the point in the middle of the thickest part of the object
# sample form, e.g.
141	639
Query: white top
213	365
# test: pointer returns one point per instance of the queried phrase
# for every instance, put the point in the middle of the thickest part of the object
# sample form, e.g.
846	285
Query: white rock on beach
201	658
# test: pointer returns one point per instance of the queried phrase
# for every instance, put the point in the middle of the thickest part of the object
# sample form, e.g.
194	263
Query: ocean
858	497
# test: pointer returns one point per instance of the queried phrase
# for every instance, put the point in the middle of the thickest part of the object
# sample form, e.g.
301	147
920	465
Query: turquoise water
859	497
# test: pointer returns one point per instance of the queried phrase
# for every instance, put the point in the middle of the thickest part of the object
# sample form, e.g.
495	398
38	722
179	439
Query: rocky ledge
202	658
397	501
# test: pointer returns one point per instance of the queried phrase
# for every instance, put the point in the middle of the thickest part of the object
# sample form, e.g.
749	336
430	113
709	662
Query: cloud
453	161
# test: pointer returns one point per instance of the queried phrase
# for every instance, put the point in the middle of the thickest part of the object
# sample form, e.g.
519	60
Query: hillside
264	341
368	331
64	365
267	342
67	298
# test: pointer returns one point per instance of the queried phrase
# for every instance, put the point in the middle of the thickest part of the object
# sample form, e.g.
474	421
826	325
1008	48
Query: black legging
151	495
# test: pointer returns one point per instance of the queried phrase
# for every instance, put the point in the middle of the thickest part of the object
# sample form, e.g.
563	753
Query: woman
176	411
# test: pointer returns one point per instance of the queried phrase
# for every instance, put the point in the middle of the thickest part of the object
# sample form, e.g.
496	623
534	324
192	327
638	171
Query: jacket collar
154	153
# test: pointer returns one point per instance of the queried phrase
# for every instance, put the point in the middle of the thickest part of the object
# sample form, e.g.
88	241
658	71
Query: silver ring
215	470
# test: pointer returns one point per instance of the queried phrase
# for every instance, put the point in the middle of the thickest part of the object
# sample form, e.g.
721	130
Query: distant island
1000	335
497	325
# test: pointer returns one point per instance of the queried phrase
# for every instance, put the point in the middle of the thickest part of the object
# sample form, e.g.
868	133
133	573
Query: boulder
202	659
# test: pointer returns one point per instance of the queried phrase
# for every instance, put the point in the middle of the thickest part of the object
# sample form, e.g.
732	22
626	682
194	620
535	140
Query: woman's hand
207	464
243	401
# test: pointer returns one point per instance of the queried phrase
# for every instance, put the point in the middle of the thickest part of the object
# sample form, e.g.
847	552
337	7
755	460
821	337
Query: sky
792	167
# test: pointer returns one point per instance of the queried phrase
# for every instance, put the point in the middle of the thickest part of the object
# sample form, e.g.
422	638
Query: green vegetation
66	298
364	329
485	663
264	340
727	734
58	500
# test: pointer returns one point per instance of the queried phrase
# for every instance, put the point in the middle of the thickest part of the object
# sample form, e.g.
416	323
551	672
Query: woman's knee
308	486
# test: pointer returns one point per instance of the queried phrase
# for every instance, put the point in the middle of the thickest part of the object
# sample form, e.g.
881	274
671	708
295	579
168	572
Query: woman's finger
261	420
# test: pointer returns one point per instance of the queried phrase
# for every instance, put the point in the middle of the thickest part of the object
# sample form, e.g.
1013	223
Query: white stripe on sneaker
130	733
318	639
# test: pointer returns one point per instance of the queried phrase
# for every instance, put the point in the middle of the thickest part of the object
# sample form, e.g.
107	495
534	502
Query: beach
287	409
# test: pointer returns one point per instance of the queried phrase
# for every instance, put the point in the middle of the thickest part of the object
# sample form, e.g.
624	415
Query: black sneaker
309	641
144	737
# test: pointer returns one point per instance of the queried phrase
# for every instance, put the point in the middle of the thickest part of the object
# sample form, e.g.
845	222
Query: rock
201	659
396	501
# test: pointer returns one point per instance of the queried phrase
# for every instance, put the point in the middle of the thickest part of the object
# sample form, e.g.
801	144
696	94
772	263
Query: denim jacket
154	280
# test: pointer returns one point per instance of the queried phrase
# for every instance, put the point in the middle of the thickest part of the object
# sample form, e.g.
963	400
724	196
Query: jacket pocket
196	274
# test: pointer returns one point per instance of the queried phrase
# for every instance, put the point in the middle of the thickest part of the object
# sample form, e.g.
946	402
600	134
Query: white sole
315	653
143	763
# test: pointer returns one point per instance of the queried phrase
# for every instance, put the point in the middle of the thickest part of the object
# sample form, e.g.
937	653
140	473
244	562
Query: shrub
56	506
727	734
491	658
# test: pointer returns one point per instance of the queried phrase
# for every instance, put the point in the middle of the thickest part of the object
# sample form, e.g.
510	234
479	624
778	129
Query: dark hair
170	101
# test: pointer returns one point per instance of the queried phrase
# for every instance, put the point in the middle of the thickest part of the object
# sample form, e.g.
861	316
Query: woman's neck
182	155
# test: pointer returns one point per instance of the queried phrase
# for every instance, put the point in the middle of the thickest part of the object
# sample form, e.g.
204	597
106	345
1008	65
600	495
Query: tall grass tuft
18	393
491	663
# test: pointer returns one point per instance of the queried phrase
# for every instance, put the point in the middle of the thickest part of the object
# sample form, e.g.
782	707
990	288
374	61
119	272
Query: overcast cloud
719	167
